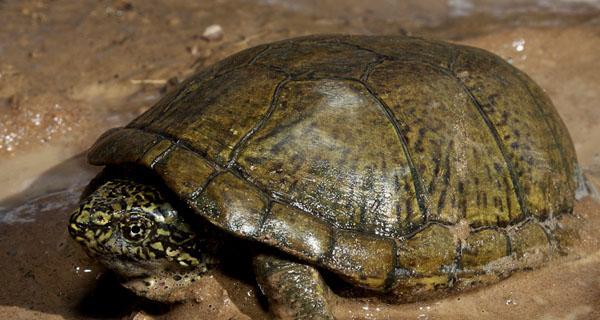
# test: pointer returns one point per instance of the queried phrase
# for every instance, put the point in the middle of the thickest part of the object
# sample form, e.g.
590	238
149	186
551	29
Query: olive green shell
392	161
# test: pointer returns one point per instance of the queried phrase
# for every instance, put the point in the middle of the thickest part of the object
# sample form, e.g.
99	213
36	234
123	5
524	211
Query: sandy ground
71	69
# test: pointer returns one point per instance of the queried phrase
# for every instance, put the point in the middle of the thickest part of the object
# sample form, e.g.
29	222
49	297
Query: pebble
141	315
213	32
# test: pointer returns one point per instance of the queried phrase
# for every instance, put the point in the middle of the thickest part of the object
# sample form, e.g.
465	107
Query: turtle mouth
128	268
161	286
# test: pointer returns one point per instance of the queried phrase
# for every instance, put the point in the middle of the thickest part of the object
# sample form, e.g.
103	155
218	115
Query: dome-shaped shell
365	155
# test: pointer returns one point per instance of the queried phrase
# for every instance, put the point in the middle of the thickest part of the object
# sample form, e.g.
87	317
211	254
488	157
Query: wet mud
71	69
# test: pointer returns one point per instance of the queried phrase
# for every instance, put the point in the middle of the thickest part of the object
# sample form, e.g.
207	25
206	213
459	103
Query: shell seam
237	149
518	189
422	197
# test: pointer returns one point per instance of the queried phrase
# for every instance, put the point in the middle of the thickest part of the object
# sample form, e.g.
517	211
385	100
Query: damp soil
69	70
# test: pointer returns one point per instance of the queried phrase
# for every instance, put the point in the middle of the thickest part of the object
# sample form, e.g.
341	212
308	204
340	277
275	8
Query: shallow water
70	70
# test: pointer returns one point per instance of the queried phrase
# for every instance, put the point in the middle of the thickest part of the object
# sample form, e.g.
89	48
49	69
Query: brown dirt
72	69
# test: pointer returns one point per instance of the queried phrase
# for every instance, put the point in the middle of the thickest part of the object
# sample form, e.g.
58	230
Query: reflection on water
57	95
35	208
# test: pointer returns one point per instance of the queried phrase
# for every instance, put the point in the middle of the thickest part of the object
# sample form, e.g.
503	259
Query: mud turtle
402	165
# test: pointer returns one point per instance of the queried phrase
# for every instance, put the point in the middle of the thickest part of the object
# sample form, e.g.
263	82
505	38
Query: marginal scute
430	251
482	249
408	289
530	244
366	260
566	231
150	156
286	228
179	163
115	146
232	204
472	280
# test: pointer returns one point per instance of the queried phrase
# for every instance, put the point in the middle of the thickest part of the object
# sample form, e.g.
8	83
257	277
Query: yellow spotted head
133	230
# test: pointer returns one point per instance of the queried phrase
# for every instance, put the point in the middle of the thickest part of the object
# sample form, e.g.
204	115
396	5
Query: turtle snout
91	228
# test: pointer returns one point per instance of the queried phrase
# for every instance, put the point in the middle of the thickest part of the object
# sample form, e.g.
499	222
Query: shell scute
365	259
232	204
178	162
317	149
285	227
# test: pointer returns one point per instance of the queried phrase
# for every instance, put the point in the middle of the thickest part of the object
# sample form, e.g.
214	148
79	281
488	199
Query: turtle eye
136	229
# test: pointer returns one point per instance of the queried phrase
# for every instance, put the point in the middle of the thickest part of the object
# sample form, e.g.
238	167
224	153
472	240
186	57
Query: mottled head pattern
132	229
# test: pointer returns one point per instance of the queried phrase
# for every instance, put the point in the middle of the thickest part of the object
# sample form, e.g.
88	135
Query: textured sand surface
71	69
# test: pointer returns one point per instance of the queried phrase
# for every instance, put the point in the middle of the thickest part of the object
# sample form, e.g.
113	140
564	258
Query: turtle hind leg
294	290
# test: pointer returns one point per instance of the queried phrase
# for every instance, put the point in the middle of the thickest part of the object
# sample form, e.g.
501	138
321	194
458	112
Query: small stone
519	44
213	33
193	50
140	315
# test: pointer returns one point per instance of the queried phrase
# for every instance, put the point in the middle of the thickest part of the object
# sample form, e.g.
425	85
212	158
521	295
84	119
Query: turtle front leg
294	290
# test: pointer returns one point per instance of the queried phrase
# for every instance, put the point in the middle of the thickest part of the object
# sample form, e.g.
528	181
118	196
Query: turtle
397	165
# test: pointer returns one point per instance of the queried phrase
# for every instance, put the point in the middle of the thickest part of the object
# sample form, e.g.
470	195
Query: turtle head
133	230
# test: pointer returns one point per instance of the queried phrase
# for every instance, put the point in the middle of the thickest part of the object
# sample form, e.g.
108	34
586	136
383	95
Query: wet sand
70	70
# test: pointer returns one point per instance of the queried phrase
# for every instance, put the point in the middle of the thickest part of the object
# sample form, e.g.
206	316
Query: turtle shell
376	157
